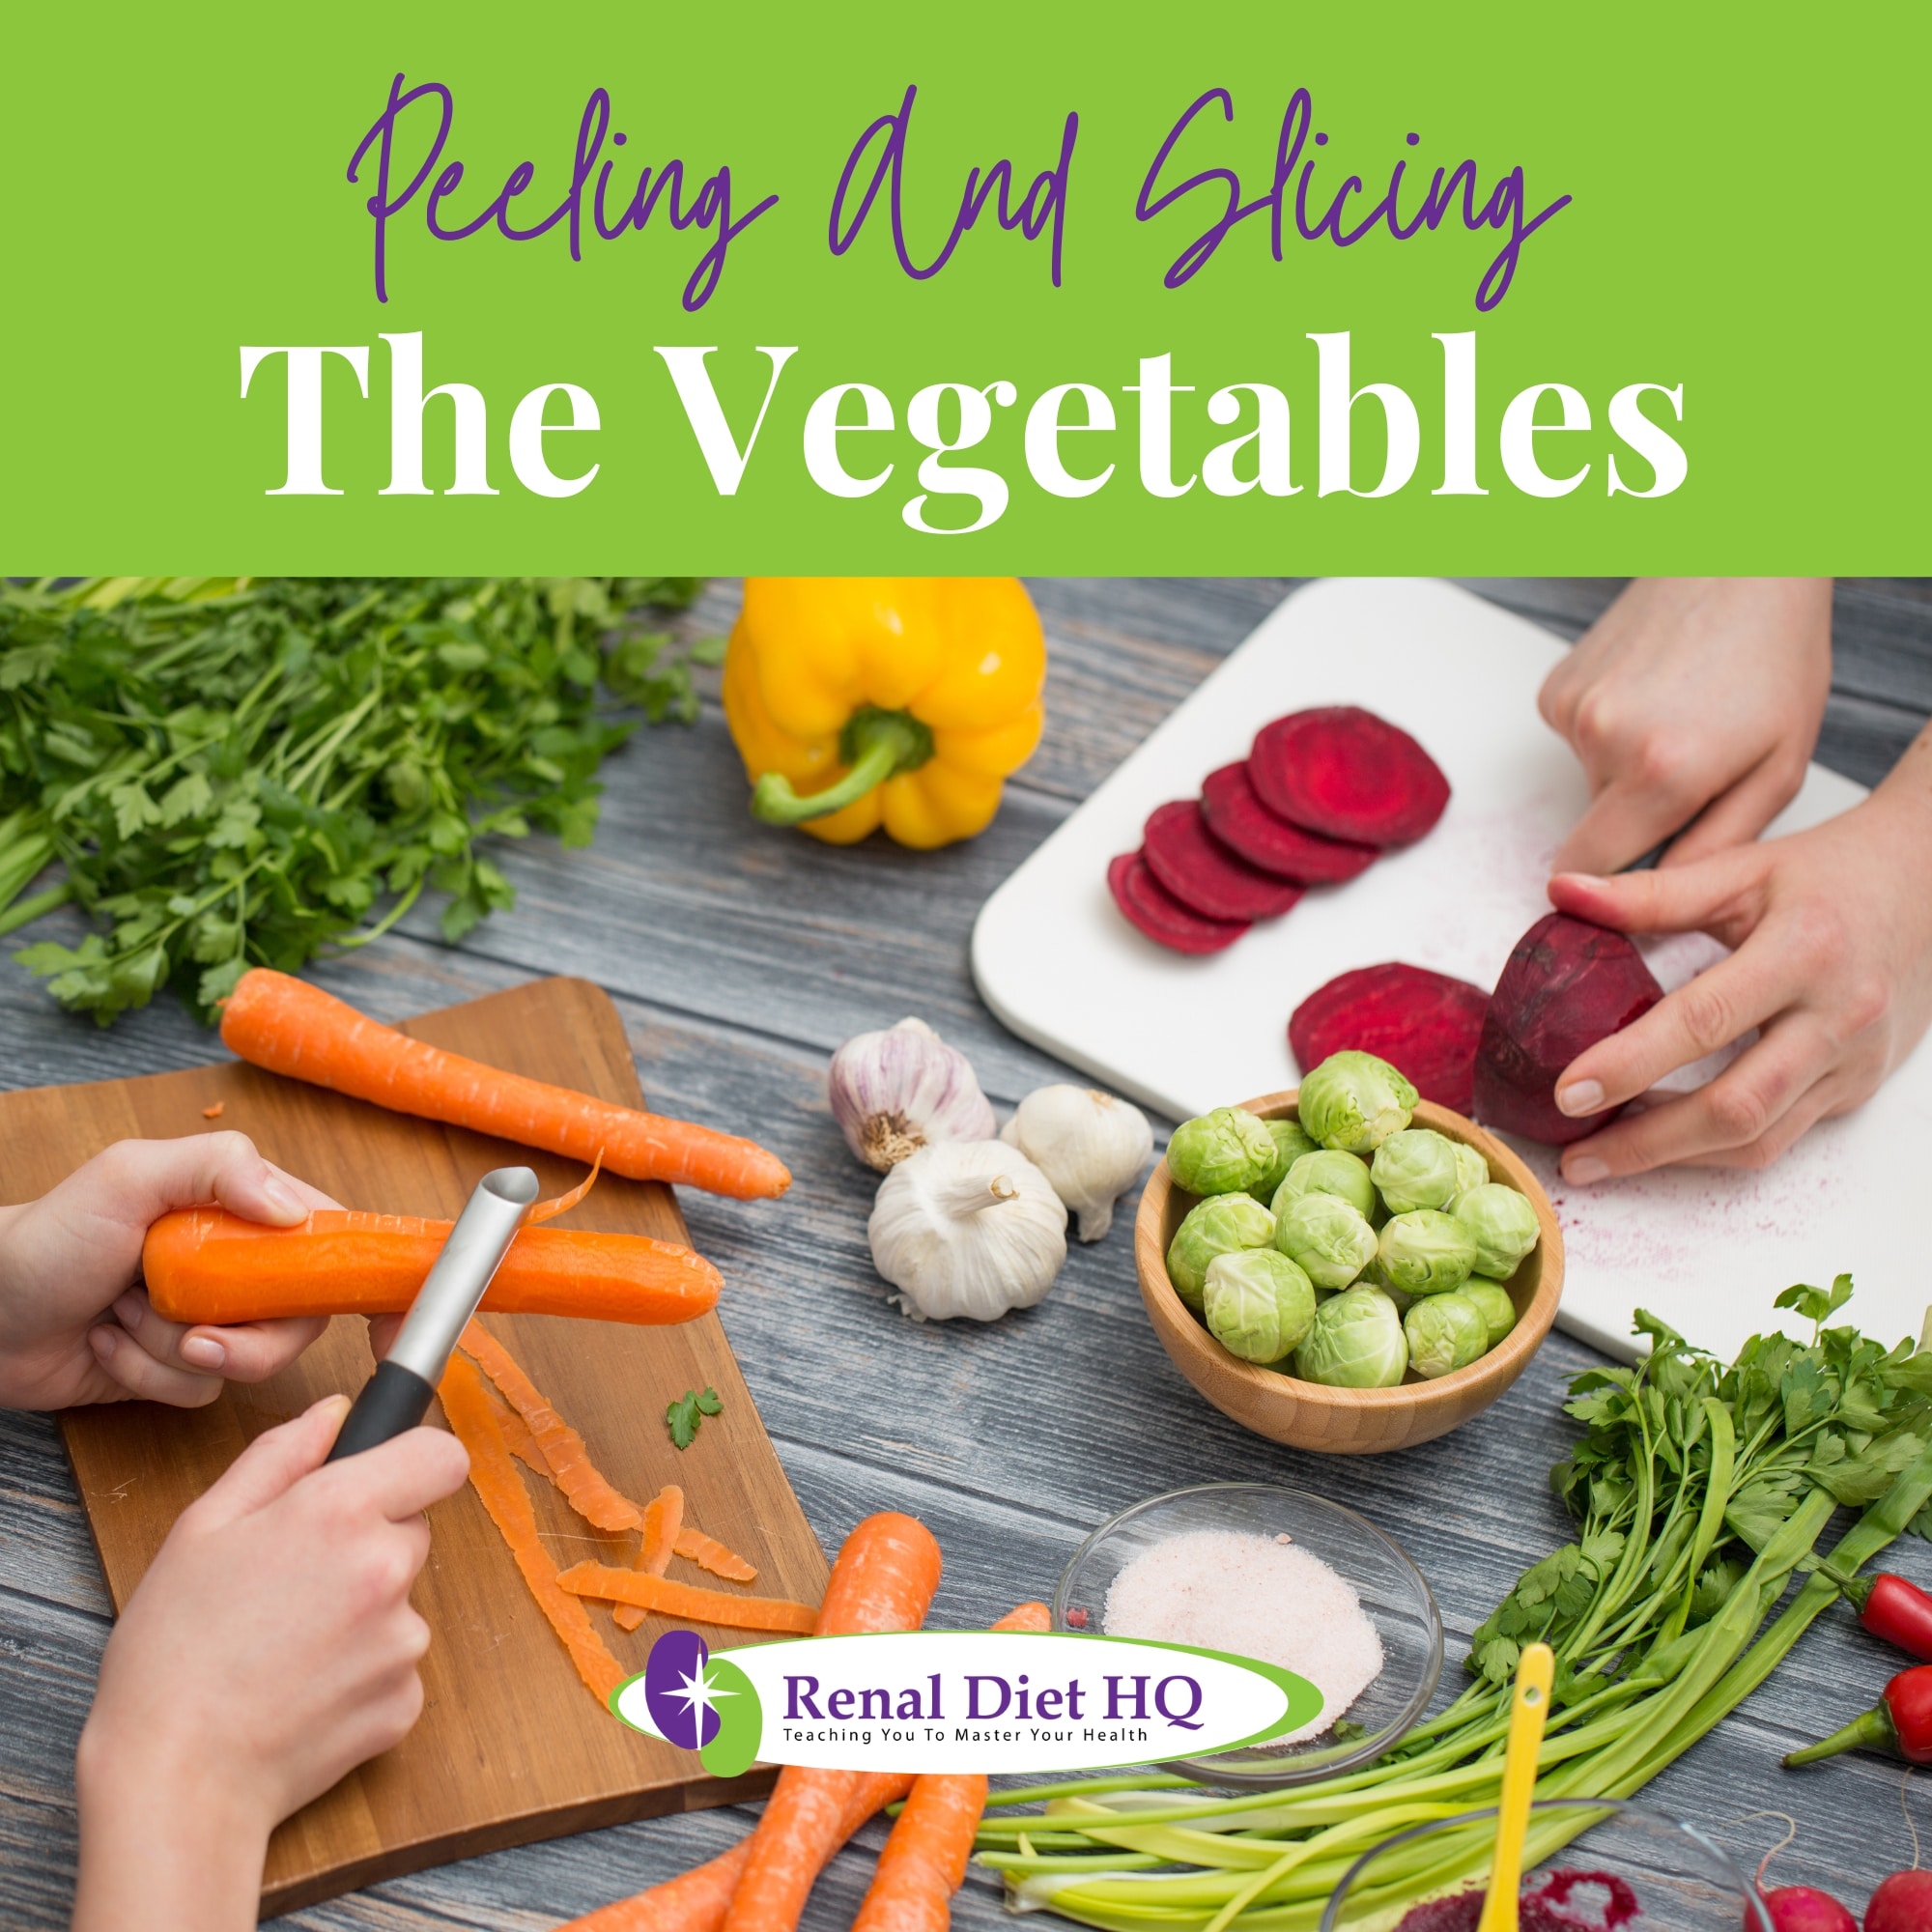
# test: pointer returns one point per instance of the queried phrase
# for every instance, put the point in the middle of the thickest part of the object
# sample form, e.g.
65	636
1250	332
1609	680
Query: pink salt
1252	1596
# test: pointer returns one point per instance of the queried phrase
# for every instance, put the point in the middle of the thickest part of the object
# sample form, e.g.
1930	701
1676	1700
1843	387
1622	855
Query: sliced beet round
1344	772
1147	904
1567	984
1426	1025
1203	874
1236	816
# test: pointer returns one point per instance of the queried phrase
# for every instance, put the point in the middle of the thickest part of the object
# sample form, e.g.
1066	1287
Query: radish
1804	1908
1902	1903
1566	985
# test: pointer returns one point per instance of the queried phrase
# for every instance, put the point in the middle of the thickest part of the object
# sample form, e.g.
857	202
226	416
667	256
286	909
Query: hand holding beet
1833	965
1691	698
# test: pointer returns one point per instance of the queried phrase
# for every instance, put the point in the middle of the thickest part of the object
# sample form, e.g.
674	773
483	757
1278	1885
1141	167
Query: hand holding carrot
269	1649
74	1323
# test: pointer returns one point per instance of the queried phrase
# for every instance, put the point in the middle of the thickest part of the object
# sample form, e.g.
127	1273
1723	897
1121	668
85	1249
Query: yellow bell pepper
901	701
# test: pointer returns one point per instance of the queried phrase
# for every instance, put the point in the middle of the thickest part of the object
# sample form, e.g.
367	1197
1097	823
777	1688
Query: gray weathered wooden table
739	959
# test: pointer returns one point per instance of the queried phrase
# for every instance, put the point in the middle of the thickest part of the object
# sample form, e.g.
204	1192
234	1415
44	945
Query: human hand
1691	697
1833	965
269	1649
74	1327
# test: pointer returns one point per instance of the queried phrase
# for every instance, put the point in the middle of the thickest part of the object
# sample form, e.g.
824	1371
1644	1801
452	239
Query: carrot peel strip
493	1476
549	1211
708	1554
663	1516
588	1492
682	1599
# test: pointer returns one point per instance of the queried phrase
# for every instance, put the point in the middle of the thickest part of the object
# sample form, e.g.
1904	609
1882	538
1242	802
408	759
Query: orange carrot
298	1029
698	1901
924	1860
206	1265
467	1404
1033	1616
583	1486
664	1514
883	1581
708	1554
682	1599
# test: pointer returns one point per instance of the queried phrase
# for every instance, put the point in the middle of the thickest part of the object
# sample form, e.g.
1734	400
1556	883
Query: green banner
1246	288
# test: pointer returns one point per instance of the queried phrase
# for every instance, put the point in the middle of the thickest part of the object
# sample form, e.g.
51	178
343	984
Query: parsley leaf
685	1416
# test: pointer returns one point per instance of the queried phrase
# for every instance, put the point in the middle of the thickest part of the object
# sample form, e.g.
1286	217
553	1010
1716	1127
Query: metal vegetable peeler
397	1395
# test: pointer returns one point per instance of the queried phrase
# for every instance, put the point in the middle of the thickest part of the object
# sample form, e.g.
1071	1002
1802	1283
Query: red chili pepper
1890	1608
1899	1725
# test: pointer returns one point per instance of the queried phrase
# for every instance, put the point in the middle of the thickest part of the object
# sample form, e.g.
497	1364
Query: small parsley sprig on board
234	773
686	1416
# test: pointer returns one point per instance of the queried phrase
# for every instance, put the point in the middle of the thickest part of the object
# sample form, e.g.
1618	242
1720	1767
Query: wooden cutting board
510	1746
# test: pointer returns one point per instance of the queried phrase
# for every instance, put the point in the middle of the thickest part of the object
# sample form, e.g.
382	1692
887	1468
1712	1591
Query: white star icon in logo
699	1697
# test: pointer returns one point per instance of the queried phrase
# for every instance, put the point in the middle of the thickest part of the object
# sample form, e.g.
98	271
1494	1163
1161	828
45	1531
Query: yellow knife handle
1529	1711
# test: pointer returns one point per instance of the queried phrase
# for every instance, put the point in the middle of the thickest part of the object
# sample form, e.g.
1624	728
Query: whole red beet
1804	1908
1903	1903
1566	985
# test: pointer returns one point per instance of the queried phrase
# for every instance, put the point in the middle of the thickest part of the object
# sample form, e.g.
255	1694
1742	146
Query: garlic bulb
968	1228
902	1089
1089	1144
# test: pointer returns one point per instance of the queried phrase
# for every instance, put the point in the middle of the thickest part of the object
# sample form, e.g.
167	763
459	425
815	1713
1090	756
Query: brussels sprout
1426	1252
1356	1101
1345	1175
1329	1241
1290	1143
1503	1224
1444	1332
1222	1152
1355	1341
1471	1170
1217	1226
1415	1168
1492	1298
1259	1304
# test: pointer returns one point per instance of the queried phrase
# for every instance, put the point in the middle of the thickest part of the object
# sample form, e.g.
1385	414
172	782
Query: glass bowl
1586	1863
1390	1587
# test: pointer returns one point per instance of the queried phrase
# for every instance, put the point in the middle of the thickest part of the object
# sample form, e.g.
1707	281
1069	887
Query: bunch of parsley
231	773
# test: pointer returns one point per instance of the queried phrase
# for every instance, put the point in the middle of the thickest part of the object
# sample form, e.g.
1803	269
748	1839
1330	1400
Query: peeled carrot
207	1264
924	1860
883	1581
708	1554
583	1483
466	1402
298	1029
698	1901
682	1599
664	1517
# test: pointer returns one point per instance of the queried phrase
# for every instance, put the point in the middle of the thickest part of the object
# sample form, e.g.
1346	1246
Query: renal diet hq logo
958	1701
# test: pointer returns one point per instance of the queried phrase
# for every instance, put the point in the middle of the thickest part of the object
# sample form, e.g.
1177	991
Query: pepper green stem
1854	1589
1873	1731
876	745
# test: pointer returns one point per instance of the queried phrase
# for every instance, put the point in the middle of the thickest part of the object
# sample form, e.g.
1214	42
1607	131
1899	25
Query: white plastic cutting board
1704	1249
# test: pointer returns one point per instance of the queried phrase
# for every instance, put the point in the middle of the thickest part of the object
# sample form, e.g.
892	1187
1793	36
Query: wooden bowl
1349	1421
